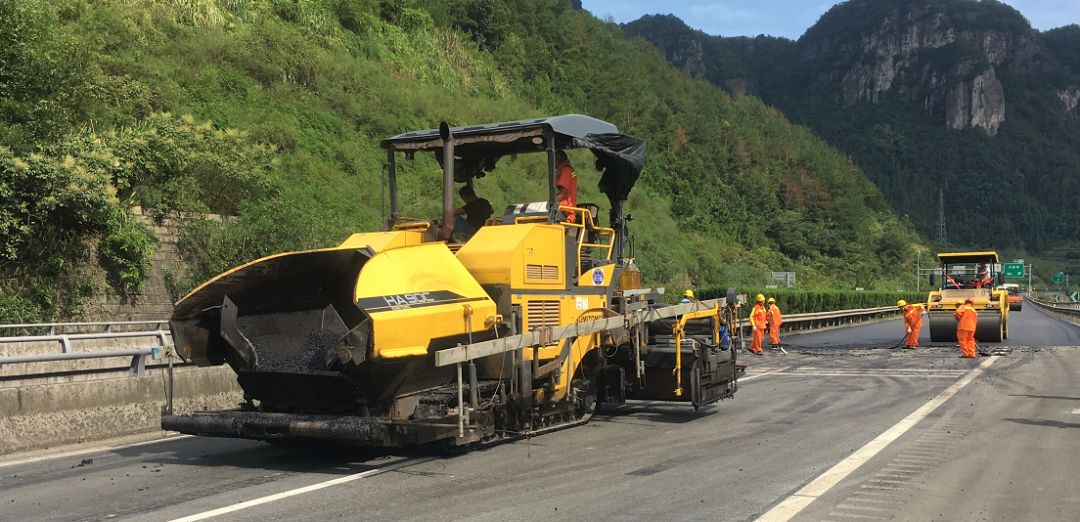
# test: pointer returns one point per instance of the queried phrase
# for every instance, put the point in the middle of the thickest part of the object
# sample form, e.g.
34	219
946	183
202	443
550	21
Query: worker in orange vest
912	321
757	323
966	321
775	320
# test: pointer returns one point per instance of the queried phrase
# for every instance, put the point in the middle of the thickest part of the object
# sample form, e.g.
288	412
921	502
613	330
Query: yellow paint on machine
426	268
525	256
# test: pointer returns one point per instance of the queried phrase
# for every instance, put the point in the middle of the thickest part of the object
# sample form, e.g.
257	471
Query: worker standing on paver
566	184
912	321
775	320
758	316
966	321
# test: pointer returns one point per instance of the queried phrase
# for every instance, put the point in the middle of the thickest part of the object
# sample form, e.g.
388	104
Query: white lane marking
865	508
875	494
763	374
798	501
857	498
87	451
882	369
867	374
300	491
880	487
862	517
1076	411
885	481
892	472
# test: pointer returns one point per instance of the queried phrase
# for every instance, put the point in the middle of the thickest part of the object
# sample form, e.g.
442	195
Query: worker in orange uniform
912	321
966	321
566	185
775	320
983	279
757	322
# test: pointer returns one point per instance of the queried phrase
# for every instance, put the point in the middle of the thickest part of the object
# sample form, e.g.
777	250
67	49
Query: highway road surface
841	428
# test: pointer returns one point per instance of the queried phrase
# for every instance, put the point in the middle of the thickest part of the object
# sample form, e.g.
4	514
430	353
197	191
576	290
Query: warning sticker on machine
582	303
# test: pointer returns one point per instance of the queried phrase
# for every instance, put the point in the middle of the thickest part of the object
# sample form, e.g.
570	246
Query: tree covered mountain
272	112
961	96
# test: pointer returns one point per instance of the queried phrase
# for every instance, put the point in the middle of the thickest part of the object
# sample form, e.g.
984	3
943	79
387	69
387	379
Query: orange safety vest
775	317
566	179
968	318
757	316
913	316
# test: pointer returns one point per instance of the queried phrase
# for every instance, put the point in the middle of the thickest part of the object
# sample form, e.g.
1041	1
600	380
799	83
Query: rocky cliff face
921	54
1070	97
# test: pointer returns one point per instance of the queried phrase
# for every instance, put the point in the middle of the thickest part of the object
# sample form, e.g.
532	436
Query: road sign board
788	278
1075	296
1021	261
1058	277
1014	270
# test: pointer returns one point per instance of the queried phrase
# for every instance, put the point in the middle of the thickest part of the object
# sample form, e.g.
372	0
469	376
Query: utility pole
942	235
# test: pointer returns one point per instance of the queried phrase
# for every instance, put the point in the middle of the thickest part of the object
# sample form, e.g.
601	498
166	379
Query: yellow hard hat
772	299
760	298
901	303
688	293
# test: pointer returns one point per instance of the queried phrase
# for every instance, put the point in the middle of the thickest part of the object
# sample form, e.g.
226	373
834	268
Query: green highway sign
1075	296
1014	270
1058	277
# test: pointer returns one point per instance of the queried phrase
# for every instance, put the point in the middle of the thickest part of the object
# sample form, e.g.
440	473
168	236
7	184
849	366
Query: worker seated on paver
470	216
725	335
687	297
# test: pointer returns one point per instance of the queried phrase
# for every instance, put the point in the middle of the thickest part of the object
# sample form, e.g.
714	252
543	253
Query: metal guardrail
105	326
138	355
792	323
818	320
1065	311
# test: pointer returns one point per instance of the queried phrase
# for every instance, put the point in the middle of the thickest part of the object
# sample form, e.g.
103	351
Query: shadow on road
1059	397
321	458
1046	422
647	413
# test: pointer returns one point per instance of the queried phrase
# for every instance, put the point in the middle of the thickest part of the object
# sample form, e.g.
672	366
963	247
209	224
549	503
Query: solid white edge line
87	451
763	374
798	501
299	491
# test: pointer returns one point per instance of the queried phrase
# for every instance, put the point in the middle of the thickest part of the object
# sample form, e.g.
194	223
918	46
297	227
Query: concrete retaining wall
49	404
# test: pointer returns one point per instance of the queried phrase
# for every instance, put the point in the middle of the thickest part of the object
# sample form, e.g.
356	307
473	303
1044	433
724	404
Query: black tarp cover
619	158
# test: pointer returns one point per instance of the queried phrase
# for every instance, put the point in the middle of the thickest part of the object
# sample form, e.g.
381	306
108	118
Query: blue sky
789	18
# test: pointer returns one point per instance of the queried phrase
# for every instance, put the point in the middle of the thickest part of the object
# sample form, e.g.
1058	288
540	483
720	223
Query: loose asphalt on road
834	430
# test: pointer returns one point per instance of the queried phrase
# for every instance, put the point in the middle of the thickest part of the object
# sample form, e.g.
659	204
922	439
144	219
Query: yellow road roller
414	335
963	275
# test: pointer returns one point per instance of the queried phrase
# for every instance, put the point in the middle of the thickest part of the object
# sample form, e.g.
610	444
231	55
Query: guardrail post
138	365
65	344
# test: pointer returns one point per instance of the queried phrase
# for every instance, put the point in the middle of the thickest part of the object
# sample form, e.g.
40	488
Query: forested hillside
925	95
272	111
